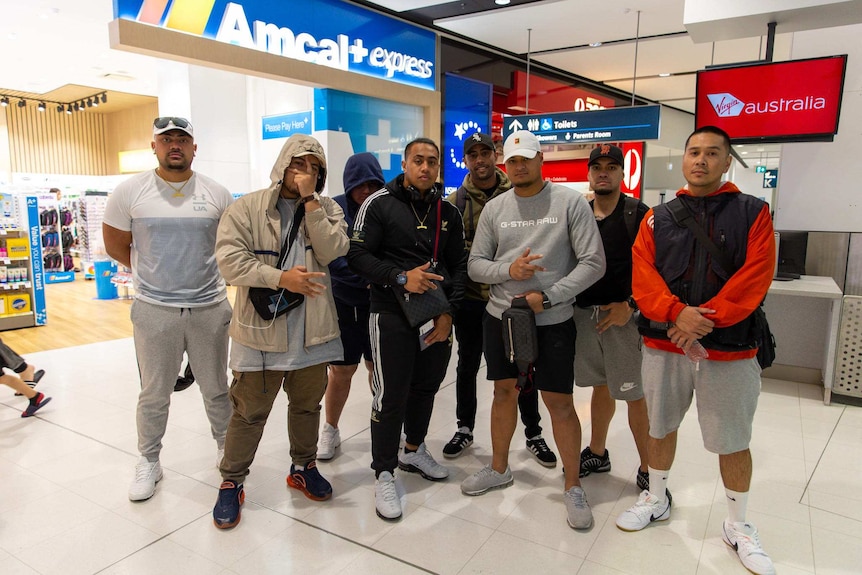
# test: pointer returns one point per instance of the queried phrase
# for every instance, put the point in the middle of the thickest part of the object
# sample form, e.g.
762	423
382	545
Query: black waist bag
763	338
520	341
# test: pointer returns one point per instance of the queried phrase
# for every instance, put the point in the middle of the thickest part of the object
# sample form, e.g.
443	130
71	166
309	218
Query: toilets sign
325	32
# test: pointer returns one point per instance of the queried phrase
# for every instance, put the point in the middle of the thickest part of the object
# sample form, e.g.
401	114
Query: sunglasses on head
163	122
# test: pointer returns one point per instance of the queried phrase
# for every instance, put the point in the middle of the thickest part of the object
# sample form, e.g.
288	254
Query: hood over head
299	145
361	168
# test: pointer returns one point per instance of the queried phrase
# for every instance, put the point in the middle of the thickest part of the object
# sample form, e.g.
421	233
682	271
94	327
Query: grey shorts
726	391
612	358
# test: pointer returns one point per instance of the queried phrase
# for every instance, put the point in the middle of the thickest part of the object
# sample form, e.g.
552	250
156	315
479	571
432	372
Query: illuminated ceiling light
22	103
42	106
96	101
83	105
4	101
595	44
664	75
69	109
501	2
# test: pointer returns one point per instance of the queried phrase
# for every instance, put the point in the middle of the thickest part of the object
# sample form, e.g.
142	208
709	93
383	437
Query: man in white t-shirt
162	224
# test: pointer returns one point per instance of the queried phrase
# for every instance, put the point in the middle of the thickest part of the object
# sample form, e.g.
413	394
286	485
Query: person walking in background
483	182
362	177
162	224
24	379
280	237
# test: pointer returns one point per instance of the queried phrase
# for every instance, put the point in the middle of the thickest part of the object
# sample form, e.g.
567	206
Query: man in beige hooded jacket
290	350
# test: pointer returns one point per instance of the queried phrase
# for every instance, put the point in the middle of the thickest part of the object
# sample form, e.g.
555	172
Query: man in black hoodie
362	177
400	232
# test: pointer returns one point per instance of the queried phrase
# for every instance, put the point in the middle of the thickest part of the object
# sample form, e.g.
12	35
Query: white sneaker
330	439
386	500
146	476
485	480
219	457
420	461
745	541
578	512
647	509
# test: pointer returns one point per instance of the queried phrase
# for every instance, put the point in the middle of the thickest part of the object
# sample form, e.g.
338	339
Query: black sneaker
643	480
592	463
462	439
541	451
226	513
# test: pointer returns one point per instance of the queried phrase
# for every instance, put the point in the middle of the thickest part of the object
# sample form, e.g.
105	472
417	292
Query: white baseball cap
521	143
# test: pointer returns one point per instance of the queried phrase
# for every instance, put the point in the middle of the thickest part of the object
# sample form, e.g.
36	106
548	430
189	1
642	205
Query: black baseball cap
606	151
476	139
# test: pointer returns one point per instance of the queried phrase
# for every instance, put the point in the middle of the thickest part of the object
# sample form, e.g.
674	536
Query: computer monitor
792	248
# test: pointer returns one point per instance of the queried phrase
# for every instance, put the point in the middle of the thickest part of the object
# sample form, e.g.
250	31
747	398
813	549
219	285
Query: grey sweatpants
161	335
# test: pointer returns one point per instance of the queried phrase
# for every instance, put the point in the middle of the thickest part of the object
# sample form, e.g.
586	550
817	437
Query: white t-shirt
173	237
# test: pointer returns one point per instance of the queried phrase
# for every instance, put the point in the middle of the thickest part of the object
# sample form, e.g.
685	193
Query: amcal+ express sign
325	32
780	101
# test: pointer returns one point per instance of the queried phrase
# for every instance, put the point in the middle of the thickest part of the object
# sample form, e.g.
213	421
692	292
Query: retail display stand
22	289
91	212
57	240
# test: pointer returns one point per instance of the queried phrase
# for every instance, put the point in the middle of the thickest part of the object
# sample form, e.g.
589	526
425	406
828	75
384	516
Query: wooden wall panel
52	143
129	129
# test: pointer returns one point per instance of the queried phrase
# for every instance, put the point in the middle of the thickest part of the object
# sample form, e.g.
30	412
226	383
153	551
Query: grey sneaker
386	500
578	512
485	480
330	440
421	462
146	476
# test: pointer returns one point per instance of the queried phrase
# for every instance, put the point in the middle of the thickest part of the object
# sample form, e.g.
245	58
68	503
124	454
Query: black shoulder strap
630	215
294	229
683	216
461	201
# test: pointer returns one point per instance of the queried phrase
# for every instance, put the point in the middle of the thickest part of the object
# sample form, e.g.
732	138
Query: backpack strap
630	215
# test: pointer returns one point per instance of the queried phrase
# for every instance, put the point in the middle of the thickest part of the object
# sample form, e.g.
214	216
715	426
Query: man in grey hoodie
292	349
541	242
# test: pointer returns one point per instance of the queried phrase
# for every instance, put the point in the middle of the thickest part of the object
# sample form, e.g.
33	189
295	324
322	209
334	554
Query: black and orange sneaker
36	404
310	482
226	513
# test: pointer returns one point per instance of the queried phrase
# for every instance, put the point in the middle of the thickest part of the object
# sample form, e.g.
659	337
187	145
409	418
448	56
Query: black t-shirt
616	284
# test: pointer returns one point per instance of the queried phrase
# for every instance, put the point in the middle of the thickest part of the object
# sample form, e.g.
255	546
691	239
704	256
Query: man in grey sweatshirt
540	242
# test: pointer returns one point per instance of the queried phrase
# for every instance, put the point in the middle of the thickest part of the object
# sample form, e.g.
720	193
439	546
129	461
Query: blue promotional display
286	125
372	124
325	32
40	313
105	271
466	110
629	124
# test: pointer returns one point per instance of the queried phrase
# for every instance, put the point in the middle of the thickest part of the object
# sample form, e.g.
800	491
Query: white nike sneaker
647	509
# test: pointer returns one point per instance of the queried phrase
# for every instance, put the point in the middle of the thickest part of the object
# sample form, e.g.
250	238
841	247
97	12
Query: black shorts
555	367
353	323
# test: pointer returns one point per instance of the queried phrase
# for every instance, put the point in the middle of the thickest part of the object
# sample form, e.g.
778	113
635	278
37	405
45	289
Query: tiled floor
64	477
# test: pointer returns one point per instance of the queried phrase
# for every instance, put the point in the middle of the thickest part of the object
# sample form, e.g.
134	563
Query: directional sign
760	169
770	177
611	125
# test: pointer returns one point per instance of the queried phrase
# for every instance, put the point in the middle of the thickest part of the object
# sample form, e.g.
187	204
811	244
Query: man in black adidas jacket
396	234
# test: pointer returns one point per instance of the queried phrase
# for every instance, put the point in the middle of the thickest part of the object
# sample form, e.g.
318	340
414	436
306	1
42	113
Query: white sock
658	482
737	503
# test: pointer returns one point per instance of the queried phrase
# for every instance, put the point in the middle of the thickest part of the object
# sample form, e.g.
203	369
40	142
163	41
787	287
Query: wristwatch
546	303
401	279
313	197
632	303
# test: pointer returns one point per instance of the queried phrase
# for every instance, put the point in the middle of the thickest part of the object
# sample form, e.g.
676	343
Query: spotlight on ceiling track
69	109
89	102
22	103
104	98
60	108
4	101
42	106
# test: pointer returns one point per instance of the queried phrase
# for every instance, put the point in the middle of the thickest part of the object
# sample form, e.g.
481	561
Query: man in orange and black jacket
697	328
